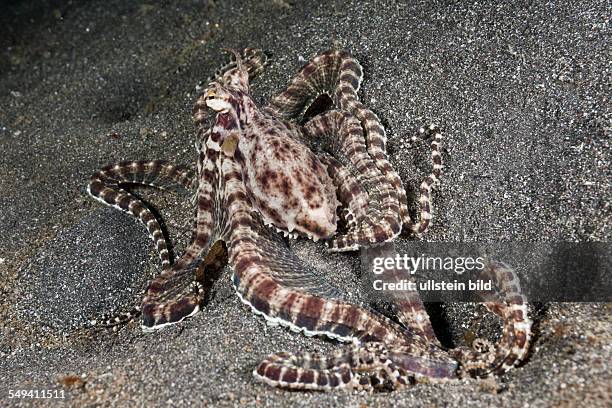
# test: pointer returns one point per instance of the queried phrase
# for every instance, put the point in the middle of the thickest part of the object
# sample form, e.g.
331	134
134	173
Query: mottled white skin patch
285	180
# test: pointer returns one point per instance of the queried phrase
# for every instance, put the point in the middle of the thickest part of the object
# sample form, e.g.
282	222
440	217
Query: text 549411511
32	393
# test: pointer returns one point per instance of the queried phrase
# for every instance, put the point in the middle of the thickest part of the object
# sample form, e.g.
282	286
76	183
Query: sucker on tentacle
425	189
261	170
411	362
338	75
106	186
380	222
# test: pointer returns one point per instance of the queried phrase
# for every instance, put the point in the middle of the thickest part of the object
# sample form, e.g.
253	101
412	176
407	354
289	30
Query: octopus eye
218	105
217	100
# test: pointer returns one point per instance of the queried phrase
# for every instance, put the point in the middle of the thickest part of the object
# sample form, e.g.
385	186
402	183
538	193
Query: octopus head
230	105
227	94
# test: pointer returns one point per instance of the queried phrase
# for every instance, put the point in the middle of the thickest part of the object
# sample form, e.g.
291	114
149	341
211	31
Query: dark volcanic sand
522	92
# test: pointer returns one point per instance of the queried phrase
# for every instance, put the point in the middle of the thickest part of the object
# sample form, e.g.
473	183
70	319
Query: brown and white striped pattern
106	186
272	280
370	366
342	135
425	189
379	365
337	74
350	193
175	294
507	301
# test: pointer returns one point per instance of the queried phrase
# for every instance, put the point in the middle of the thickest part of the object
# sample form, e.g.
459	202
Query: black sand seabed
522	92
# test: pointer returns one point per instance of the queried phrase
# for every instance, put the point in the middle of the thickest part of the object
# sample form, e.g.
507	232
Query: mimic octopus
326	177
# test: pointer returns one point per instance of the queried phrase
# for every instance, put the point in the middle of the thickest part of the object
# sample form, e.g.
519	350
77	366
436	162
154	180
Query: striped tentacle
308	371
407	304
367	366
176	294
342	135
411	313
350	368
259	264
425	190
345	96
508	302
354	199
253	59
339	75
317	77
106	186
